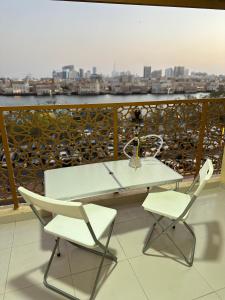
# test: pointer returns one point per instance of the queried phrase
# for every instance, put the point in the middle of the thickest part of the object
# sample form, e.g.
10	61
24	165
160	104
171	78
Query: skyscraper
69	68
67	71
179	71
81	73
157	74
147	71
169	72
94	70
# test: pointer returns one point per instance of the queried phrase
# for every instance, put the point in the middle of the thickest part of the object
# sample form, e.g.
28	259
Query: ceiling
211	4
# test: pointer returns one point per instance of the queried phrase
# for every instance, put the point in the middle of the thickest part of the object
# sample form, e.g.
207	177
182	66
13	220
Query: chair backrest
205	174
65	208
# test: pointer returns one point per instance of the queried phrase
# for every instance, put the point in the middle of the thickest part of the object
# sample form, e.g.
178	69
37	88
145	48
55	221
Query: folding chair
175	206
81	225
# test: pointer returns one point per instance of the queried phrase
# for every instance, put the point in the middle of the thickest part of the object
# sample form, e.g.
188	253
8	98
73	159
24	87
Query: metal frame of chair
105	253
203	176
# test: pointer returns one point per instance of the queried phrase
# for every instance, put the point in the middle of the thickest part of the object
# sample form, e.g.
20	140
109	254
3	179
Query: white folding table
83	181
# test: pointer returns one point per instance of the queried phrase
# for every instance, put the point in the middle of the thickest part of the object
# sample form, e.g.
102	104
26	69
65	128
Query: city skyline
39	37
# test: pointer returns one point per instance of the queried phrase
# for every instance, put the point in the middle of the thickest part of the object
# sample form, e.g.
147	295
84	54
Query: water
74	99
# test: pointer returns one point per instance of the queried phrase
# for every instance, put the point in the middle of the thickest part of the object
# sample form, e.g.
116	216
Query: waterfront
74	99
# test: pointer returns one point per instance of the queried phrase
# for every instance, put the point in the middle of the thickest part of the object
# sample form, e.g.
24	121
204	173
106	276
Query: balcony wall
36	138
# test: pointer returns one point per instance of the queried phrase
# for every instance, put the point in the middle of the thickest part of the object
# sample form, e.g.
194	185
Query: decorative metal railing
37	138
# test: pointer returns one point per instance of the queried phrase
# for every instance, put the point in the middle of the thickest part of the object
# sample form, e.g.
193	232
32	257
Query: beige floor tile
4	265
208	207
210	260
163	278
28	231
117	283
129	212
28	263
6	235
221	294
81	260
40	292
132	235
212	296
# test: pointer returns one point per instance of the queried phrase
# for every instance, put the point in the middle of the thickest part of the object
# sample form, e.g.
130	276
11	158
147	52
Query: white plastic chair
81	225
176	206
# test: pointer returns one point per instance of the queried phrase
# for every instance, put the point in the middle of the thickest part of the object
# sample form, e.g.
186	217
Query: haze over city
39	36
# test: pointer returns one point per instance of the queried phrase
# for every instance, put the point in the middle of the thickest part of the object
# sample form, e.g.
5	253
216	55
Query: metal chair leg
149	236
101	263
105	254
190	260
51	287
194	243
58	252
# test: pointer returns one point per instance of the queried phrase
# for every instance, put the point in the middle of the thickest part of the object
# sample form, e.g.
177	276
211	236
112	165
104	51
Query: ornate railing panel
43	137
214	137
5	191
177	123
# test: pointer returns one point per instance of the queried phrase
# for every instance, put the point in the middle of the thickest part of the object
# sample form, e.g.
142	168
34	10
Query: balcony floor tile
118	282
221	294
4	266
37	292
212	296
28	263
25	249
6	235
163	278
81	260
27	232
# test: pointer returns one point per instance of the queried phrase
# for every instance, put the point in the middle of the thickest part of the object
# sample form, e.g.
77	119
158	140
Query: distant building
89	87
69	68
81	73
20	88
198	74
88	74
186	72
57	75
169	73
179	71
157	74
147	71
65	74
94	70
68	72
43	89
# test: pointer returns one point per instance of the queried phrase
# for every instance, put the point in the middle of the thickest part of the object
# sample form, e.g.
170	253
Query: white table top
83	181
152	173
79	182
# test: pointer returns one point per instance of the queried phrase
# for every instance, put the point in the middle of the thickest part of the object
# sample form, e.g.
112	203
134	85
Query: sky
38	36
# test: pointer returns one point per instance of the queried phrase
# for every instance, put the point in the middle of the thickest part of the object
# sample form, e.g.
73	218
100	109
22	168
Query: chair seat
76	230
169	204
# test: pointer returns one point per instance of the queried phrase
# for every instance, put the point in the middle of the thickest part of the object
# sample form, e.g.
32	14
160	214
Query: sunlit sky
38	36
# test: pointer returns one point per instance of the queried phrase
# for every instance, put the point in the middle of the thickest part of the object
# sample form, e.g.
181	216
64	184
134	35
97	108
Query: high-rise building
169	72
157	74
94	70
70	68
147	71
179	71
65	74
81	73
186	72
